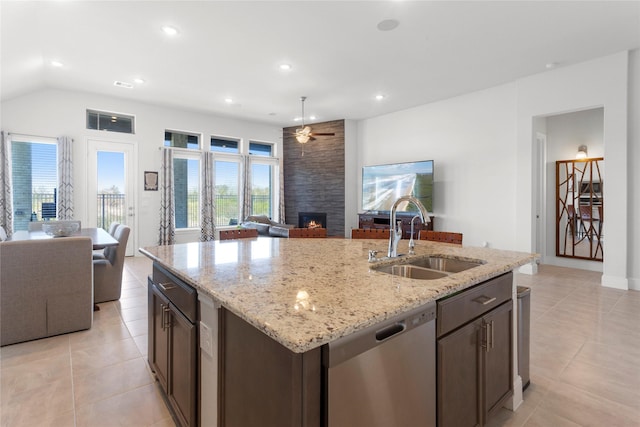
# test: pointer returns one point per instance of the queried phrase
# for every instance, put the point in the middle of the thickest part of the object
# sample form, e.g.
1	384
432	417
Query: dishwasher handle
390	331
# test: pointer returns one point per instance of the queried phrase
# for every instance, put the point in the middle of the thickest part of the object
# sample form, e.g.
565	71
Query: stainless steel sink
411	271
428	268
449	265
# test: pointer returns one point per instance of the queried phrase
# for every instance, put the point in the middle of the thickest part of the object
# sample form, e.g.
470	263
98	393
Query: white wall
56	113
471	140
602	82
482	144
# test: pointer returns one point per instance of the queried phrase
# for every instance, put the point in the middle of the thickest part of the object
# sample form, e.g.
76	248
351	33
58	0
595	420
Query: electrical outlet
206	339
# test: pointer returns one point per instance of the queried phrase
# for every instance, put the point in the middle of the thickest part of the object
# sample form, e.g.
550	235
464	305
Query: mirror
580	208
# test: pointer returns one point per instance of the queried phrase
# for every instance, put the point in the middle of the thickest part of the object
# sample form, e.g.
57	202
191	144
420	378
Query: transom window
225	145
260	149
175	139
112	122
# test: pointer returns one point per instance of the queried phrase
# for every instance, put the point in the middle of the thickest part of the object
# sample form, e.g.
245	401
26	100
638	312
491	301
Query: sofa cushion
263	229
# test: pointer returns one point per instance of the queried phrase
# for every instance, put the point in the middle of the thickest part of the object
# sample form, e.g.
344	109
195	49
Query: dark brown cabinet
262	383
474	353
172	353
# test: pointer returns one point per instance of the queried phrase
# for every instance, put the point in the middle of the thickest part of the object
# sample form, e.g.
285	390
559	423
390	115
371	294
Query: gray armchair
46	288
107	272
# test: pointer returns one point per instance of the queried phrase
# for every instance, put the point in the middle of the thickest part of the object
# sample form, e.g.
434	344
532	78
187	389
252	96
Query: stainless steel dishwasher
384	375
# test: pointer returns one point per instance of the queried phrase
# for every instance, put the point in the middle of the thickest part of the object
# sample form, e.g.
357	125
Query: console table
368	220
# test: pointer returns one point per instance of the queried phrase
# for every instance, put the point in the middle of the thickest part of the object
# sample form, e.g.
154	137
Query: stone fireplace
312	220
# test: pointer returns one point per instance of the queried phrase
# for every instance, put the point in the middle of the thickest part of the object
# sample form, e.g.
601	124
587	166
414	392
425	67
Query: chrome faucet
396	233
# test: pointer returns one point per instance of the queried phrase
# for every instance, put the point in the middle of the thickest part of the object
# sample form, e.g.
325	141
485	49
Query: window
260	149
261	189
113	122
35	180
186	191
181	140
227	186
224	145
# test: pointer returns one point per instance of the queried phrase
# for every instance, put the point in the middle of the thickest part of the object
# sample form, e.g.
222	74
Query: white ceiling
340	59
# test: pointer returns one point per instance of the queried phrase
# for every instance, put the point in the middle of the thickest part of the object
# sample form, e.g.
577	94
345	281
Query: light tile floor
585	361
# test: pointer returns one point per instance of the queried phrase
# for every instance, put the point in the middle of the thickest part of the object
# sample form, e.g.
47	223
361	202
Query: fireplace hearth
312	220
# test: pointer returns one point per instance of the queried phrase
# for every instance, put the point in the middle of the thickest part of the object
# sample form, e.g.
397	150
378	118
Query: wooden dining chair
307	232
441	236
238	233
370	233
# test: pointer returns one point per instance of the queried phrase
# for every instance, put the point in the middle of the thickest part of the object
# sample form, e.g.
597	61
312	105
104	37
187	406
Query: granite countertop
307	292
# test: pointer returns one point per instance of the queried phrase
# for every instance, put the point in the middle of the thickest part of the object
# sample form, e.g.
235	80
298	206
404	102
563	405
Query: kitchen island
305	293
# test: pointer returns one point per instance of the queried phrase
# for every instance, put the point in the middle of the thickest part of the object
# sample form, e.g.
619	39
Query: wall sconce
582	152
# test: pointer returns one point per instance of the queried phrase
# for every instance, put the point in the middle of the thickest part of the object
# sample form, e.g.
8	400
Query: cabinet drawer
461	308
183	296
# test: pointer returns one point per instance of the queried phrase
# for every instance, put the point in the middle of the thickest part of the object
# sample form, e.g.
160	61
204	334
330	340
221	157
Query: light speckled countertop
307	292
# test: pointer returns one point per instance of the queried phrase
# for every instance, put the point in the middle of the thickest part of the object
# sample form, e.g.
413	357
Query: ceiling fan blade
323	134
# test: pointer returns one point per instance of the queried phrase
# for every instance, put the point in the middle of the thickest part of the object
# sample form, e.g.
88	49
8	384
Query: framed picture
150	181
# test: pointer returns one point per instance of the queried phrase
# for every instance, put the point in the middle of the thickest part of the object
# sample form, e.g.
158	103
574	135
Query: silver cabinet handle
484	300
167	286
166	317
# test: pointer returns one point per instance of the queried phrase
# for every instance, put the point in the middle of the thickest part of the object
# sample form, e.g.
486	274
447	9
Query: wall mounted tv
384	184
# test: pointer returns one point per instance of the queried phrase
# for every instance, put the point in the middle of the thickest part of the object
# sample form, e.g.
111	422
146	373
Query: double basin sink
427	268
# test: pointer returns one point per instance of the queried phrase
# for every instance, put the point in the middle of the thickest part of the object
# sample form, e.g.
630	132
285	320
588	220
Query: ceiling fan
304	134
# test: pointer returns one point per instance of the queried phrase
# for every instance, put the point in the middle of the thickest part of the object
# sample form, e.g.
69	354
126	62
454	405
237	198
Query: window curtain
65	178
208	210
246	188
6	199
167	207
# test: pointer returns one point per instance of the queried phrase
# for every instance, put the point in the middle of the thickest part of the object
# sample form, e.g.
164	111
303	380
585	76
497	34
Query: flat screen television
382	185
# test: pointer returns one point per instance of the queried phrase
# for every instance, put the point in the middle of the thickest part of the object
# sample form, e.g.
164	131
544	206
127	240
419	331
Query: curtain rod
33	136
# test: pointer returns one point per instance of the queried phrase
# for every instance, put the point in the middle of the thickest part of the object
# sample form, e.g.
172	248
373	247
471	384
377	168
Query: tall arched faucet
396	229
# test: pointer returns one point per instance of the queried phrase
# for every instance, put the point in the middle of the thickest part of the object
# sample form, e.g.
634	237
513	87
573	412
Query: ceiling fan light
303	139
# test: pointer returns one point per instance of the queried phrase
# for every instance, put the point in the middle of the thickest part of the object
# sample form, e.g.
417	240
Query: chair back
585	212
116	253
307	232
370	233
238	233
441	236
113	227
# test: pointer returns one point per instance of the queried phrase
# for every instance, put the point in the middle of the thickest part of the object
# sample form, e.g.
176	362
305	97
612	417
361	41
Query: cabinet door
182	374
498	358
459	377
158	335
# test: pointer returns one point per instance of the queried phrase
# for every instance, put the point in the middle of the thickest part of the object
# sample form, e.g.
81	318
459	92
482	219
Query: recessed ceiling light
169	30
297	119
285	67
228	100
388	25
551	65
138	81
312	117
56	63
380	97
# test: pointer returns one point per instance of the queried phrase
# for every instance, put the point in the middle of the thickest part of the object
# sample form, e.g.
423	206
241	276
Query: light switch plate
206	339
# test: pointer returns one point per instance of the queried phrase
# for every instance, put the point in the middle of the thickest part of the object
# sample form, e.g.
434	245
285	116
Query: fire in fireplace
312	220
